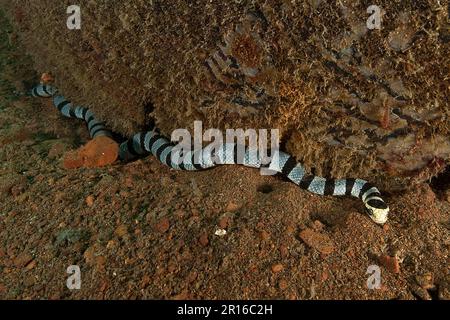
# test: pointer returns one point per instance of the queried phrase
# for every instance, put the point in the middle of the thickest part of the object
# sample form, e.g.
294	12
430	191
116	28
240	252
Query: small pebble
224	222
220	232
390	263
90	201
319	241
121	231
22	260
277	268
31	265
203	240
264	235
318	226
89	255
163	225
283	284
232	207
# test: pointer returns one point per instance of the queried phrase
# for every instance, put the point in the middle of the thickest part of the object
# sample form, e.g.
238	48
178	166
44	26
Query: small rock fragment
184	295
320	242
22	260
283	284
390	263
277	268
224	222
121	231
145	281
89	255
31	265
111	244
284	251
100	263
220	232
90	201
318	226
19	188
203	240
232	207
29	281
264	235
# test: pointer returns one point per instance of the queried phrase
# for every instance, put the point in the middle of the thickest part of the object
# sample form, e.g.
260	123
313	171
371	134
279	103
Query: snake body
165	151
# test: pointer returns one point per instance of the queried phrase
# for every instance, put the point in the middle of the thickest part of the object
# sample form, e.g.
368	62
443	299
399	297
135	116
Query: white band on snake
166	152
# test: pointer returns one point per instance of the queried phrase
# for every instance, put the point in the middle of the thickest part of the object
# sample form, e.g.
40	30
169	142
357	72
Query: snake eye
369	211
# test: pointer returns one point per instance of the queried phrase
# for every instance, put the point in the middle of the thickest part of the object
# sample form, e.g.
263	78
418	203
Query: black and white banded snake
163	149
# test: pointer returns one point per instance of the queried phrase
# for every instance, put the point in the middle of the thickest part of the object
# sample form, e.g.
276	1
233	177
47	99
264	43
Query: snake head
377	210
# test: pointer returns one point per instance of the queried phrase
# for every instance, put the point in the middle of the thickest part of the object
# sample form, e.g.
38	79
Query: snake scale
163	149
